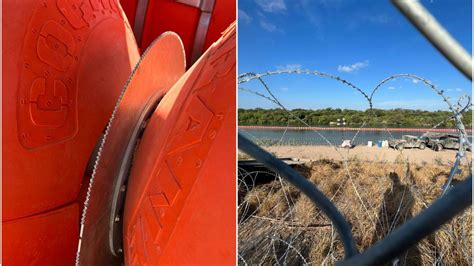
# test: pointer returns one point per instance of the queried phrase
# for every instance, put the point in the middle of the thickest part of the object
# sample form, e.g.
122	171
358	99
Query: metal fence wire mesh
349	211
273	217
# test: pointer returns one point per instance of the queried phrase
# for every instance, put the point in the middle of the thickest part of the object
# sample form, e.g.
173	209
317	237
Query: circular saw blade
160	66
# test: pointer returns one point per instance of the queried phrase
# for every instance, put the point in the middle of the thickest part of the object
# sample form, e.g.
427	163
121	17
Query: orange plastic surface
64	64
160	67
45	239
169	15
180	205
222	16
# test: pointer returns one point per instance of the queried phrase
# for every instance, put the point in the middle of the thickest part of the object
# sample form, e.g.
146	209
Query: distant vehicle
347	144
440	141
407	141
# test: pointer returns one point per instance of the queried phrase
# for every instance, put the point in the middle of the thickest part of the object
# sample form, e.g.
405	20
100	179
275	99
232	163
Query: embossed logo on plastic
47	93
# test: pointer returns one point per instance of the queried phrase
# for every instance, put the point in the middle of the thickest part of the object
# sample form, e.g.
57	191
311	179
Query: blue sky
362	41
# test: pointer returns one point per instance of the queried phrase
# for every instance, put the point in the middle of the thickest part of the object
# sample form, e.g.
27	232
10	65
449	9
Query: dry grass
277	224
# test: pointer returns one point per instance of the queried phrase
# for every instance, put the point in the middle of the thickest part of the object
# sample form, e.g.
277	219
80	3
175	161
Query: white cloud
458	89
289	67
272	6
244	17
269	26
311	12
415	81
284	89
391	88
353	67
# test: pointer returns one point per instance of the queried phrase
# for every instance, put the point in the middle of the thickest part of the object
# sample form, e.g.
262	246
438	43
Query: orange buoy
180	202
64	65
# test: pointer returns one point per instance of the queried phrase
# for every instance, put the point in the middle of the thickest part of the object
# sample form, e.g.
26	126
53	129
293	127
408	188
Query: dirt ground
364	153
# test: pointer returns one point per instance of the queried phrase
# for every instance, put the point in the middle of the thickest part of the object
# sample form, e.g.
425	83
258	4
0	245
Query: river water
308	137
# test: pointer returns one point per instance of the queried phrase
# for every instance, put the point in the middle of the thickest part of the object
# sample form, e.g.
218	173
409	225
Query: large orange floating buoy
180	202
166	152
64	65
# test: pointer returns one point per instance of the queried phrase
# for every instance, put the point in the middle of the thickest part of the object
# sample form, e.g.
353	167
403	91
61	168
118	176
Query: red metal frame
169	15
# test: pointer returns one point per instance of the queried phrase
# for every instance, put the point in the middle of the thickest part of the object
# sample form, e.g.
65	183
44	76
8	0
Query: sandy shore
311	153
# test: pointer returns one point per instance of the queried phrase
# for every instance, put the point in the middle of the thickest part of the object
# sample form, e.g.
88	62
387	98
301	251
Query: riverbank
364	153
392	129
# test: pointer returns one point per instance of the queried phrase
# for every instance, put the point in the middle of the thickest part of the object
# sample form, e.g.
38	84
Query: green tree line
353	118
